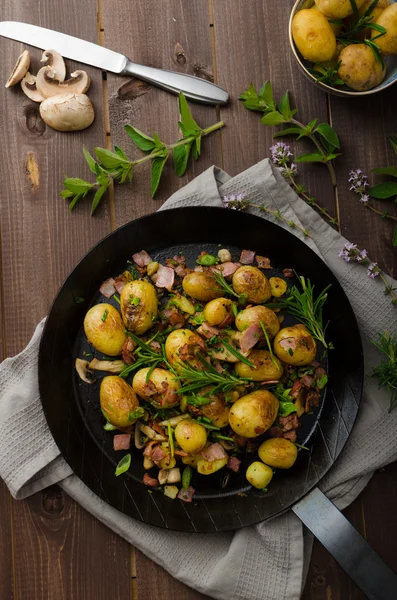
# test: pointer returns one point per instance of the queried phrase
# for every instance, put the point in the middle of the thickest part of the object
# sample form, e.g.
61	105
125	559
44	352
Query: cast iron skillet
71	407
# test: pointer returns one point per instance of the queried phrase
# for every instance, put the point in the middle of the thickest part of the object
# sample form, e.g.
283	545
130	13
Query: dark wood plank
6	551
177	37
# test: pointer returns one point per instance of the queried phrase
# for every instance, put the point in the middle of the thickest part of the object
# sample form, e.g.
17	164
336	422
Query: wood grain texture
6	550
173	35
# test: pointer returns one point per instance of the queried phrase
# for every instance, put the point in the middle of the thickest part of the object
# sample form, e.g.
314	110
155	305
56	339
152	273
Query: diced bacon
170	396
275	432
186	495
199	269
182	271
149	481
165	277
122	441
315	363
107	288
313	398
127	351
259	430
271	381
296	388
247	257
155	346
142	258
290	435
217	365
180	259
263	262
233	464
158	454
250	337
207	331
149	388
180	453
307	380
289	422
119	285
174	318
213	452
227	269
149	448
239	439
156	426
288	343
288	273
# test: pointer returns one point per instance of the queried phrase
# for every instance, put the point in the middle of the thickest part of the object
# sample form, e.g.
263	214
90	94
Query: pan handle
347	546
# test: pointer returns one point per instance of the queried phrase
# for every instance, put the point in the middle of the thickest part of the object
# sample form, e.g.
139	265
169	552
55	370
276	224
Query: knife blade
88	53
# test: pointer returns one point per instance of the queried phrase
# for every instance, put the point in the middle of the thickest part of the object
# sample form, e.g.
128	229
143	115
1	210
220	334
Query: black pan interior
72	408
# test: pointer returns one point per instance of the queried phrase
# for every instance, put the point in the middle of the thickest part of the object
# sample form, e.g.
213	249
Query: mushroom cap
28	85
48	85
19	71
67	112
52	58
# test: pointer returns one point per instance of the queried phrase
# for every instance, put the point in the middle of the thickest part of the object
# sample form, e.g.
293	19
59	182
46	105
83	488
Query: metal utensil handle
347	546
194	88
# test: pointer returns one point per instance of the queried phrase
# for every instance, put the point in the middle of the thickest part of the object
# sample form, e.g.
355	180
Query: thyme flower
364	199
373	270
281	154
234	201
358	181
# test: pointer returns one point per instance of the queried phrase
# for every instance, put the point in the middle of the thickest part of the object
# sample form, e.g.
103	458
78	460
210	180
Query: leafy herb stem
320	148
310	200
386	371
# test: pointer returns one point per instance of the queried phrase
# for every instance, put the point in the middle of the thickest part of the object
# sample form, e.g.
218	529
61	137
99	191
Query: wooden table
51	548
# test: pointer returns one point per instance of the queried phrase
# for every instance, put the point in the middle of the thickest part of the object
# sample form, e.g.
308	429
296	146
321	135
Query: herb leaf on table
386	371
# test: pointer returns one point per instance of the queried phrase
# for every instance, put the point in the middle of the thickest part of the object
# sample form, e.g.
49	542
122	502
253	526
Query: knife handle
194	88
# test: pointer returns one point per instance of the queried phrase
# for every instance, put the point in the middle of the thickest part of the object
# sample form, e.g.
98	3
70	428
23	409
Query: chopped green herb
186	477
303	447
105	315
198	401
286	408
117	298
123	465
134	300
79	300
290	352
136	414
322	382
235	310
109	427
207	260
170	438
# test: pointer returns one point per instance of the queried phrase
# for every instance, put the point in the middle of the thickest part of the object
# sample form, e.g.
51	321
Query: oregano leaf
316	157
383	191
121	153
273	118
395	236
90	160
290	131
266	93
110	160
97	198
157	169
140	139
285	108
329	135
77	185
186	116
181	157
386	171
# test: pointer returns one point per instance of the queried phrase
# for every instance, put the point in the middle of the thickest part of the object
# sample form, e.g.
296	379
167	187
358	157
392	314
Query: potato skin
157	378
118	400
278	285
279	453
191	436
216	410
313	35
388	19
259	475
299	350
337	9
176	340
256	314
219	311
265	368
359	68
335	28
140	317
251	281
106	335
205	467
254	413
201	286
375	14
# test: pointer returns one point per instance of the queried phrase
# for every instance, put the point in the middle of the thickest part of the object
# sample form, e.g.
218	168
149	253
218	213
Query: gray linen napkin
269	560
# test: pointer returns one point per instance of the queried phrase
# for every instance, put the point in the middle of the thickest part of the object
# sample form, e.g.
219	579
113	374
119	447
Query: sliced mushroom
138	438
67	112
111	366
152	434
48	84
83	371
147	463
20	69
169	476
28	85
52	58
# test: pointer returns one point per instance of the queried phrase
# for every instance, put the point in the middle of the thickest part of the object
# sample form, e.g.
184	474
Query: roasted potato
387	19
216	410
104	329
252	282
181	346
278	285
201	286
139	306
359	69
254	413
206	467
191	436
295	346
313	35
219	312
160	389
259	475
278	453
265	367
258	314
118	401
337	9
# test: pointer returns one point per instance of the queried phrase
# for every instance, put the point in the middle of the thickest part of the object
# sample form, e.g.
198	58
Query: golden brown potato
313	35
181	346
259	475
337	9
219	312
201	286
205	467
258	314
161	388
104	329
216	410
295	346
191	436
118	401
388	19
254	413
359	68
278	285
278	453
139	306
252	282
265	369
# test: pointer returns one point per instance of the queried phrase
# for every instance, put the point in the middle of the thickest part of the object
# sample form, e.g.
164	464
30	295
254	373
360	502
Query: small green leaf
140	139
310	126
90	160
286	408
395	236
310	158
97	198
77	185
157	168
273	118
136	414
79	300
186	116
393	141
383	191
110	160
289	131
329	134
123	465
198	144
181	157
109	427
66	194
322	382
284	106
250	92
266	93
121	153
386	171
74	201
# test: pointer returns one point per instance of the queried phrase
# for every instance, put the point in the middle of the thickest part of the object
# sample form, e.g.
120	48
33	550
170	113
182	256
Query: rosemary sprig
237	354
193	380
386	371
269	345
145	355
228	289
352	27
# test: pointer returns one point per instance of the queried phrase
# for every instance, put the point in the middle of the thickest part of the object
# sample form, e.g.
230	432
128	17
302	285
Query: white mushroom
83	371
48	84
67	112
111	366
28	85
20	69
52	58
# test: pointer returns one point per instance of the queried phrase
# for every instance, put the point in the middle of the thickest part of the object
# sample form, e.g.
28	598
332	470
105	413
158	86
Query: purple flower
373	270
362	256
234	201
364	199
350	252
358	181
281	154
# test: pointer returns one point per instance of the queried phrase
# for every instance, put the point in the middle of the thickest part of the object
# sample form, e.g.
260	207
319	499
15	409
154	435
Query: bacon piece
263	262
180	453
149	448
149	481
170	395
313	398
288	343
142	258
107	288
296	388
207	331
127	351
290	435
217	365
122	441
174	318
269	382
165	277
307	380
288	273
233	464
275	432
239	439
259	430
247	257
250	337
227	269
213	452
182	271
158	454
119	285
186	495
290	422
315	363
149	388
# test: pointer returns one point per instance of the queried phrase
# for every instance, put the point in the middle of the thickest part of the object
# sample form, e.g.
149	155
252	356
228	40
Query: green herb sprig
193	380
228	289
386	371
328	73
352	27
386	190
109	167
145	357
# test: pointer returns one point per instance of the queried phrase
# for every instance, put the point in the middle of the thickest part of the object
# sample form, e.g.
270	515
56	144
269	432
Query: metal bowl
391	63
